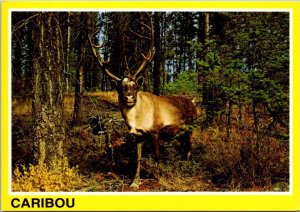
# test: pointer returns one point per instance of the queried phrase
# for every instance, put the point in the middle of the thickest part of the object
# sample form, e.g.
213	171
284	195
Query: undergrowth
41	178
246	163
104	155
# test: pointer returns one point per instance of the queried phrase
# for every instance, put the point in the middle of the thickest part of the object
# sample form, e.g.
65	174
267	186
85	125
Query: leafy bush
185	84
42	178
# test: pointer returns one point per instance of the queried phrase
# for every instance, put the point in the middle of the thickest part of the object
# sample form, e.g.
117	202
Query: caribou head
128	86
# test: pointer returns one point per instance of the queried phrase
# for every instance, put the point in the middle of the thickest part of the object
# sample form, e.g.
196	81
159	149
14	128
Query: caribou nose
130	98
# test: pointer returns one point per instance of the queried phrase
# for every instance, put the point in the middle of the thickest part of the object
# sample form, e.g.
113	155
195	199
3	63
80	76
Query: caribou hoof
135	184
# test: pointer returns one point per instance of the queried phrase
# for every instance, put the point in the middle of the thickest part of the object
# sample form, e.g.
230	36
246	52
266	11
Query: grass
103	157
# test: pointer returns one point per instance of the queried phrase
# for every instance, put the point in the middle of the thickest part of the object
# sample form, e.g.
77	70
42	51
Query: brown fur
186	107
159	117
154	117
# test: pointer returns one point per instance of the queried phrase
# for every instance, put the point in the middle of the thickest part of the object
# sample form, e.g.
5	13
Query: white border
202	193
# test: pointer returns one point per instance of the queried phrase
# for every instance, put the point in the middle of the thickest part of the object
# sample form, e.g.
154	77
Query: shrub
245	162
42	178
185	84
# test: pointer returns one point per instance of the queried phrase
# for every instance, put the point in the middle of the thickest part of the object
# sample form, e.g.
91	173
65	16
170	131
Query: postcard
150	106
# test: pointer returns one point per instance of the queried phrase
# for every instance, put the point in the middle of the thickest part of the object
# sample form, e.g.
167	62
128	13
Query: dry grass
22	106
110	96
241	163
185	184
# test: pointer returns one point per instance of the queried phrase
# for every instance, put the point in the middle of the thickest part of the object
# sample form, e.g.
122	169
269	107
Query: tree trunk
17	83
144	46
68	52
256	120
228	126
117	40
79	81
49	129
157	56
207	91
205	26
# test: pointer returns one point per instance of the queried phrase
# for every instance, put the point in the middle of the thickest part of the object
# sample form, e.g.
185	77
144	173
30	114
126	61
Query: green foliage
185	84
235	84
246	60
209	68
265	90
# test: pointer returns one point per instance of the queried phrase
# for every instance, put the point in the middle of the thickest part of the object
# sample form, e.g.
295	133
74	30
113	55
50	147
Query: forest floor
101	150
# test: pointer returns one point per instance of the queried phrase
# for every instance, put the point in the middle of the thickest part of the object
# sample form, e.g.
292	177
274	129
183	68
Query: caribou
148	116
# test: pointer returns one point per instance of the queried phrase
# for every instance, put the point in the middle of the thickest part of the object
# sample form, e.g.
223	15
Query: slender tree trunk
240	118
256	127
29	75
117	44
79	84
207	91
163	49
103	83
68	52
157	56
205	26
144	46
79	81
198	53
228	127
256	120
180	56
17	83
49	129
146	85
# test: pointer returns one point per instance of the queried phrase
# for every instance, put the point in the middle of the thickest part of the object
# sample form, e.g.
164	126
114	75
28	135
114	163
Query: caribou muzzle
130	100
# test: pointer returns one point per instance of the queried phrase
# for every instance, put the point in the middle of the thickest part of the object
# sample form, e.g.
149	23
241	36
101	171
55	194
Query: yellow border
138	201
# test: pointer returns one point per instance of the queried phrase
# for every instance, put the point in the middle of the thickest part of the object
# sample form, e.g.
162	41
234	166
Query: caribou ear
140	81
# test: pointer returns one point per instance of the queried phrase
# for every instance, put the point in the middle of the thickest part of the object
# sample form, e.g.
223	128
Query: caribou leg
136	181
185	144
155	141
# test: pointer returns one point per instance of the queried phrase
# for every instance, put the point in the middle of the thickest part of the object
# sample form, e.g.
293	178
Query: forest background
67	132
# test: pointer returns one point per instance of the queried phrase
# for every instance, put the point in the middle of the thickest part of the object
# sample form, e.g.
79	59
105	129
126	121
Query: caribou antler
146	58
126	64
149	57
97	56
